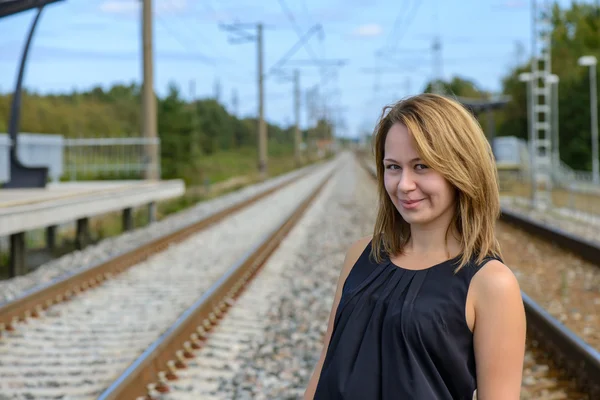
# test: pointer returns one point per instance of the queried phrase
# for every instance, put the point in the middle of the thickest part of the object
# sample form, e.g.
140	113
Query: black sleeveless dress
401	334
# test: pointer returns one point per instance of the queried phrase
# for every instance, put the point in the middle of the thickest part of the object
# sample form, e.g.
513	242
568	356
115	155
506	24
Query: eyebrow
413	160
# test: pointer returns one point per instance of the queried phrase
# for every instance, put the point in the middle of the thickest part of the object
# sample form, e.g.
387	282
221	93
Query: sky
80	44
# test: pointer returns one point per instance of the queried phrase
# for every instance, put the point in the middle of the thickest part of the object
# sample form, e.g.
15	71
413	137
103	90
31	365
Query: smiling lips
408	204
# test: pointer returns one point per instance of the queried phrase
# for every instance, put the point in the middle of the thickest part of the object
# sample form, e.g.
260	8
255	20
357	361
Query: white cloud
132	6
368	30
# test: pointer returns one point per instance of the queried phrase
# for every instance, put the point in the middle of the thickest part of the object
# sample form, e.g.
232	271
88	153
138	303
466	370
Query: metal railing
572	191
107	158
567	175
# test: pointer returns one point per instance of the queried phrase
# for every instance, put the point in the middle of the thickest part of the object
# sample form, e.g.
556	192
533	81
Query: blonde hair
450	141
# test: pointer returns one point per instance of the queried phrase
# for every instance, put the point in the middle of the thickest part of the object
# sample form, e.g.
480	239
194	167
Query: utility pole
217	89
192	90
262	128
297	138
594	110
437	55
195	140
234	103
312	117
437	66
149	120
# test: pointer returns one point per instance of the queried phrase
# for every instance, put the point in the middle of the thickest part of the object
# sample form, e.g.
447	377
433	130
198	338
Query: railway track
51	328
575	364
218	341
242	357
149	375
39	299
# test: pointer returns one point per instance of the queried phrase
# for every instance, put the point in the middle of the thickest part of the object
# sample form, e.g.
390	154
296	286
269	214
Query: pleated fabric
401	334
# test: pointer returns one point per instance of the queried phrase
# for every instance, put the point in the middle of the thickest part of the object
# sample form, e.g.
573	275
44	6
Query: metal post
149	120
195	142
82	236
490	125
553	80
151	212
532	133
18	255
531	103
51	237
594	111
437	82
528	78
591	61
15	112
541	105
262	129
21	175
555	122
297	139
127	219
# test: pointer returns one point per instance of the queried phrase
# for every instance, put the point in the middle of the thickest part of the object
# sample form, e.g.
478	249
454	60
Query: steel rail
32	303
150	373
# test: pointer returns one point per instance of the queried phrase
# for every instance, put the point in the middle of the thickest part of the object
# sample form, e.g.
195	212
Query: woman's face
421	195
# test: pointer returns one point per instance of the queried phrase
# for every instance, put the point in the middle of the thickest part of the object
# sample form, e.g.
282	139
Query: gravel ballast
269	343
72	262
79	347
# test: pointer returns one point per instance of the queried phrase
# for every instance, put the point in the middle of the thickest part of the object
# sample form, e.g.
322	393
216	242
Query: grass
210	168
223	165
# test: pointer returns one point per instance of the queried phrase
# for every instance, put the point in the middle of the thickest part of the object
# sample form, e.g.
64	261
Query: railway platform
23	210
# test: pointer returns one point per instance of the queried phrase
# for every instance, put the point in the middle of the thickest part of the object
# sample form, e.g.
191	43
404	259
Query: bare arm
352	256
499	334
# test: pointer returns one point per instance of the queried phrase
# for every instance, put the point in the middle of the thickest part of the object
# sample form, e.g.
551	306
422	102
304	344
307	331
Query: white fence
110	157
79	159
5	144
513	151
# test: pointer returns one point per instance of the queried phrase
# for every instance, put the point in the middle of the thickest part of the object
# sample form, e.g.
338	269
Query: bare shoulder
496	282
499	332
357	247
354	251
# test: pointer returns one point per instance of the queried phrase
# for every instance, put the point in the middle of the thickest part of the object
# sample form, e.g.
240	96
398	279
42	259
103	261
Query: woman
425	309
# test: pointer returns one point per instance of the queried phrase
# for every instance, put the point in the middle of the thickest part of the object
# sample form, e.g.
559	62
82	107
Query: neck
434	238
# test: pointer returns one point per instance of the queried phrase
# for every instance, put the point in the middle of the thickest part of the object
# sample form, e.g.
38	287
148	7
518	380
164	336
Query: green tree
189	132
458	86
575	32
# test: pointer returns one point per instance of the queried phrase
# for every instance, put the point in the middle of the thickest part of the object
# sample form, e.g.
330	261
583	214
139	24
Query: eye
421	166
392	166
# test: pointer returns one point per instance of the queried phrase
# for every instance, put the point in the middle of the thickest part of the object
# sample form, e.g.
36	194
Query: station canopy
481	105
11	7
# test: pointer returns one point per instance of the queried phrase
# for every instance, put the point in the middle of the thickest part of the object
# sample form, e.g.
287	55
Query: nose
407	182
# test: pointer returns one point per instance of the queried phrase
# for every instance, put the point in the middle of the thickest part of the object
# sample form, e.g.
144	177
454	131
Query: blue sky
83	43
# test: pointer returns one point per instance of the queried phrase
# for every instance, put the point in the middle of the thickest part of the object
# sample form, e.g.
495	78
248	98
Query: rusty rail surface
150	373
585	249
33	302
579	360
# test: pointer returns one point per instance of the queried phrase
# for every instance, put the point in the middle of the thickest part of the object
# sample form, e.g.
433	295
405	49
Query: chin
416	219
